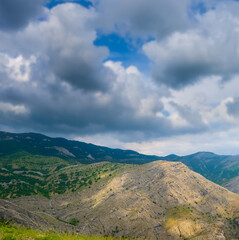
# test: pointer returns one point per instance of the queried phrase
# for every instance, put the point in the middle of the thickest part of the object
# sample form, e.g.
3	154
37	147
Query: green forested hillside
23	174
71	151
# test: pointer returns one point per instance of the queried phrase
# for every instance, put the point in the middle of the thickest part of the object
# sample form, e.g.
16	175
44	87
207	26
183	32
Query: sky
159	77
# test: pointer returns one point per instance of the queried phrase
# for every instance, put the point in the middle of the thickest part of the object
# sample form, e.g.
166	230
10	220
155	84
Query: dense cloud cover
16	14
143	18
55	80
233	107
211	48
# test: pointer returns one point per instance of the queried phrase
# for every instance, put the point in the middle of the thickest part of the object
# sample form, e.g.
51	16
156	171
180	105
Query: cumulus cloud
72	55
130	109
16	14
191	116
17	109
63	45
77	111
203	105
210	49
53	79
18	68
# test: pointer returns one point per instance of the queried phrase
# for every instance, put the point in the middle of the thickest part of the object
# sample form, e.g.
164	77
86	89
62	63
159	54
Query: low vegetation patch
15	232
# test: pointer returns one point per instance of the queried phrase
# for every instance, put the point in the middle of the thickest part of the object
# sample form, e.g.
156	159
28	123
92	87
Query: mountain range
221	169
74	186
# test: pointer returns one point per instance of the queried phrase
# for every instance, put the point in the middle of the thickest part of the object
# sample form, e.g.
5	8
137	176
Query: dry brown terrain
159	200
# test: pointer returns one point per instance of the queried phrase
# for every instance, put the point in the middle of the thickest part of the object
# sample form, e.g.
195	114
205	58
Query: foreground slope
17	232
159	200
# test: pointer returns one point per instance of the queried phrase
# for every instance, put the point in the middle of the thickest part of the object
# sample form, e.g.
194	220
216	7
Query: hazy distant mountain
72	151
158	200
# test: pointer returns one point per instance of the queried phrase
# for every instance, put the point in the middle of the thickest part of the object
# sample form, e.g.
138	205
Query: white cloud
18	68
16	109
209	98
223	142
137	90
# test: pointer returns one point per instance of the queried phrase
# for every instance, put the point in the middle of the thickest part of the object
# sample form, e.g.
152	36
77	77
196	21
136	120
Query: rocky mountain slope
233	185
15	214
221	169
159	200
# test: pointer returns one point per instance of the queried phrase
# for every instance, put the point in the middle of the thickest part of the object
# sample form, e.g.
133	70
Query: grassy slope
26	161
15	232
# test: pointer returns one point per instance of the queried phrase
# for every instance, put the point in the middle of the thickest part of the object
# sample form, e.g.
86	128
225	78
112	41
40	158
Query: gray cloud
78	114
69	90
192	117
16	14
63	45
209	49
141	18
71	52
179	75
81	73
128	108
233	107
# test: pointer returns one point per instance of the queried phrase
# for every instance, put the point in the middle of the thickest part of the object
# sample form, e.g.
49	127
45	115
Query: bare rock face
19	215
16	214
233	185
159	200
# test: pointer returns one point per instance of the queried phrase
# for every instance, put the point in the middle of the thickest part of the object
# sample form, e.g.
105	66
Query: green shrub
74	221
9	237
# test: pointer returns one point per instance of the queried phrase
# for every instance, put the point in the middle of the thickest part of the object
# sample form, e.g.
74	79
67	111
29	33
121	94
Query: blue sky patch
126	50
53	3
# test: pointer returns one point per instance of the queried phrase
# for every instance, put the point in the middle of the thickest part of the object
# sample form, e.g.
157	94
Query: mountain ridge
221	169
46	146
